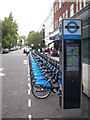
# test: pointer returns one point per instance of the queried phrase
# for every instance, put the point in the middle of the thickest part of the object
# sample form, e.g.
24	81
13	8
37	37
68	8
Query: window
63	1
80	4
84	3
66	13
56	24
77	6
72	10
56	7
59	4
60	18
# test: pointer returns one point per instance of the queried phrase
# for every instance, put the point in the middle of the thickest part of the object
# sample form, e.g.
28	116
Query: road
14	85
17	99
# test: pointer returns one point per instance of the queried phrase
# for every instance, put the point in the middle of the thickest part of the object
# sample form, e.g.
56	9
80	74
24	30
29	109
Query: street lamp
43	44
43	29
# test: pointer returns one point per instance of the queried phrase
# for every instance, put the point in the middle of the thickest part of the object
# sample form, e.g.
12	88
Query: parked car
19	47
5	50
12	49
16	47
26	50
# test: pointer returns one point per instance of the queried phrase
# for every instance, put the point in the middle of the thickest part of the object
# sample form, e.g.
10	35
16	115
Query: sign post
70	61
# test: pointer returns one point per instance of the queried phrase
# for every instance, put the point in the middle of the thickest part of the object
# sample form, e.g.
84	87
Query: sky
29	14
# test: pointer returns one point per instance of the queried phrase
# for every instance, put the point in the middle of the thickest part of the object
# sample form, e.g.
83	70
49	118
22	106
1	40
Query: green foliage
9	31
35	38
22	37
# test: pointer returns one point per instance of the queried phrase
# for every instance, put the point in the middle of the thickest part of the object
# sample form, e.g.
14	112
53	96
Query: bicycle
43	85
41	89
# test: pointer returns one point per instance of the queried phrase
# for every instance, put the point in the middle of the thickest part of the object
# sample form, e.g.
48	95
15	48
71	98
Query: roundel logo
72	27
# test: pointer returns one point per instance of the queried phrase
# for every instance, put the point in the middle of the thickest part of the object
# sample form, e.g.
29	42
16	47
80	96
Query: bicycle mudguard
42	82
39	77
38	74
60	76
36	70
60	79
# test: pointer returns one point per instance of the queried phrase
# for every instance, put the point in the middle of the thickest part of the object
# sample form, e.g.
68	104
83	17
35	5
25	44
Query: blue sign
72	29
60	27
71	37
60	32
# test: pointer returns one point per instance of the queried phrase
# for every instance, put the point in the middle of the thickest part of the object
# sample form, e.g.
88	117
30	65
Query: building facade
63	9
49	28
77	9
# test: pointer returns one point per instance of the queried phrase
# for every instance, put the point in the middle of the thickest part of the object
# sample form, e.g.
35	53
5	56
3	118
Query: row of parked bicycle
45	76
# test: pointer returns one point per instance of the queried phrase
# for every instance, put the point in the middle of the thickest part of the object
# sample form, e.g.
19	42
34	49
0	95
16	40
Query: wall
85	16
86	78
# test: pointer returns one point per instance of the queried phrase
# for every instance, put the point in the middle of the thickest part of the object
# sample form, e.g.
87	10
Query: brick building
66	10
77	9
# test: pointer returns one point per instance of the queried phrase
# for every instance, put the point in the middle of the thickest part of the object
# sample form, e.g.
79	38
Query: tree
23	37
35	38
9	31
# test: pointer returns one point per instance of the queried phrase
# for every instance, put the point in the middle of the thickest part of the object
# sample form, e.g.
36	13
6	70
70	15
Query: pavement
17	99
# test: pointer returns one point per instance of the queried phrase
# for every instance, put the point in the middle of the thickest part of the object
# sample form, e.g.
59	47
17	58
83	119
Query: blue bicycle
44	80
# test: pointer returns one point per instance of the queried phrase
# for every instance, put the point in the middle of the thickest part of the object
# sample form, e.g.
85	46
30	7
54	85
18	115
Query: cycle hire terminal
70	66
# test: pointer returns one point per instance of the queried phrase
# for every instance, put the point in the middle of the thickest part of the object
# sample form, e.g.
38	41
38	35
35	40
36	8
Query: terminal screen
72	53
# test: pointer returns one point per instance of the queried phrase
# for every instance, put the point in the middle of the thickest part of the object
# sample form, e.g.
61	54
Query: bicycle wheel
40	92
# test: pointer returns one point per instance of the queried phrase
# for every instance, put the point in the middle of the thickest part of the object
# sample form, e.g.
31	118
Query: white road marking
25	60
28	92
29	85
25	63
2	74
29	102
29	116
27	57
28	72
28	79
1	69
28	68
